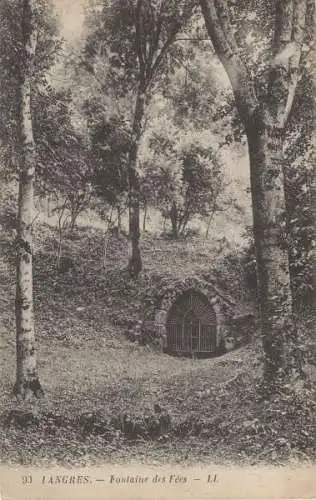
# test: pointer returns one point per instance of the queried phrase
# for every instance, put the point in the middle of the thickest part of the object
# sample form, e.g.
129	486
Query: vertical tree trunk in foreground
135	261
268	204
313	252
313	160
265	122
27	381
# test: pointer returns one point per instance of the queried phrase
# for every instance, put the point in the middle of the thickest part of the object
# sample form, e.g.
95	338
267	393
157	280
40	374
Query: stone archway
190	322
191	326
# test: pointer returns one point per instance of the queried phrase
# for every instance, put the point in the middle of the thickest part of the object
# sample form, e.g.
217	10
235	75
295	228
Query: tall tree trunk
313	251
313	160
135	261
265	122
268	202
27	381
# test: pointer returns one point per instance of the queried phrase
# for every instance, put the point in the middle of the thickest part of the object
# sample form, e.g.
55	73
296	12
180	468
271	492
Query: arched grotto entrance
191	326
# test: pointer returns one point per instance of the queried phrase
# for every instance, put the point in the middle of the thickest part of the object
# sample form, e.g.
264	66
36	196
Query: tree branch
170	39
288	40
138	41
220	33
155	39
161	54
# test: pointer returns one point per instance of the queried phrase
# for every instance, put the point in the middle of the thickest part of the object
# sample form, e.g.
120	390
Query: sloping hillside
107	399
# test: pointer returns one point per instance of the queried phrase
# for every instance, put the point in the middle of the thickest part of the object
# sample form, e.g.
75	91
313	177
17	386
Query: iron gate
191	325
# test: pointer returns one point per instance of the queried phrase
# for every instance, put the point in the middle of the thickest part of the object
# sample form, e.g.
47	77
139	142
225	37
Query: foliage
62	157
236	270
110	144
126	51
198	92
132	38
64	168
300	227
11	44
127	43
298	167
187	180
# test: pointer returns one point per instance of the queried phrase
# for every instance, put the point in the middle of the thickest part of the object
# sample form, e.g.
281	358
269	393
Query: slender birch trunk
27	381
313	252
313	160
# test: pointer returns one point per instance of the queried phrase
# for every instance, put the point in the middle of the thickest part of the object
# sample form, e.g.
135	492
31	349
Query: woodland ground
110	400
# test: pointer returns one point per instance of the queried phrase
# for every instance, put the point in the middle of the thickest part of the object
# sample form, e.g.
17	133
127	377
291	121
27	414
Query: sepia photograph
158	249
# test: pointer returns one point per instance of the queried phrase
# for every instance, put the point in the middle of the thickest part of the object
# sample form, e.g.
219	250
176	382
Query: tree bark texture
27	381
313	160
268	204
313	253
265	122
135	261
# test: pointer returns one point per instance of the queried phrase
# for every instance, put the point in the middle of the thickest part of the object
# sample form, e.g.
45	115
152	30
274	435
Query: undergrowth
107	399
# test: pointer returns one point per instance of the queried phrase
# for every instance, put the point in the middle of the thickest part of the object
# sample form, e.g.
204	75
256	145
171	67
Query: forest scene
158	232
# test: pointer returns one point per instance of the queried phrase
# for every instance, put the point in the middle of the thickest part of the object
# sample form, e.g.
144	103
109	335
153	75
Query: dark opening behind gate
191	326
